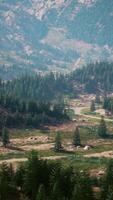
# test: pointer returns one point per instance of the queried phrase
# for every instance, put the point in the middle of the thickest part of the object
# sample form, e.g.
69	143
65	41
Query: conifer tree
97	98
92	108
5	137
102	129
41	193
58	144
107	183
76	138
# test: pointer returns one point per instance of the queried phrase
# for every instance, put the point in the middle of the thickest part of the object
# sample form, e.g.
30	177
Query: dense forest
37	99
17	113
108	104
33	100
39	88
41	180
94	77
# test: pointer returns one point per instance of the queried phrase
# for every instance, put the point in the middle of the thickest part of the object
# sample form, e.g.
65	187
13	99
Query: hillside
39	35
94	78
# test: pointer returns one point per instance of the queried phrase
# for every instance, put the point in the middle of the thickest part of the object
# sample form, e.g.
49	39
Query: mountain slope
39	35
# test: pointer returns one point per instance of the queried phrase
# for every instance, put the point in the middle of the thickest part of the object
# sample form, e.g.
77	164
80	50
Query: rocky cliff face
42	35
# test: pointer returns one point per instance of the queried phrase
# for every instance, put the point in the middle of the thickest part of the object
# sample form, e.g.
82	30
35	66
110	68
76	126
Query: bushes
41	180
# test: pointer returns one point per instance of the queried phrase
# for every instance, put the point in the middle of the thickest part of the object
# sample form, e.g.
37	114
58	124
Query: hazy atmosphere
56	99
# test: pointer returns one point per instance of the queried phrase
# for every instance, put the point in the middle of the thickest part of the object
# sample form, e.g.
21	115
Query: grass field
24	140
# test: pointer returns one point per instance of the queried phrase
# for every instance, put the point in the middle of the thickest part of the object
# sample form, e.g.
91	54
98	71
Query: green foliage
17	113
37	179
108	104
97	99
83	190
95	77
7	185
107	184
58	144
41	88
102	129
5	137
41	193
92	107
76	138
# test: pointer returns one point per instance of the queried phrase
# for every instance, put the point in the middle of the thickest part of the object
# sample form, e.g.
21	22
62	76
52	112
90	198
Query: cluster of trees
102	128
17	113
33	100
41	180
108	104
94	77
41	88
76	140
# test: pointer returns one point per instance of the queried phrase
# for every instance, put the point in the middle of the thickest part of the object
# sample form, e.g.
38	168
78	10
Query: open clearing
24	140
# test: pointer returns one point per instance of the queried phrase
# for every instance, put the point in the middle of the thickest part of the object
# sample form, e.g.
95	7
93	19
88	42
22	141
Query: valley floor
97	153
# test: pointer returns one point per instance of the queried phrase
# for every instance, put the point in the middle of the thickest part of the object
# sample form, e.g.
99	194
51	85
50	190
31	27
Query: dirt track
18	160
78	111
105	154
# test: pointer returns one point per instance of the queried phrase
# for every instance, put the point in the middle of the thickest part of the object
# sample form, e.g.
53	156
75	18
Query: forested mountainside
39	88
32	101
93	78
39	35
17	113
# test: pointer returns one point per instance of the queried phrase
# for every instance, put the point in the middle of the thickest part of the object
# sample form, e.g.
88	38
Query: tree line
108	104
15	112
41	180
97	77
41	88
93	78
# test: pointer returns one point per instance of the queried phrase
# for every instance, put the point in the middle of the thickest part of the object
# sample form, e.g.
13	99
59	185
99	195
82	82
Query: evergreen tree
58	144
110	196
97	99
102	129
107	182
76	138
7	189
32	175
5	137
56	193
41	193
92	107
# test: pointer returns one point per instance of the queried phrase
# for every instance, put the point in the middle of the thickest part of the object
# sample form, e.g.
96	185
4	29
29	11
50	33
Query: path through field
78	111
18	160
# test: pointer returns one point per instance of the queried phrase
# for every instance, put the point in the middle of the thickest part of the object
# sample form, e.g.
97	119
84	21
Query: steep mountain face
42	35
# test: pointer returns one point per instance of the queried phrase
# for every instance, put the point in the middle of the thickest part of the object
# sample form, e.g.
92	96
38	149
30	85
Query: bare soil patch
106	154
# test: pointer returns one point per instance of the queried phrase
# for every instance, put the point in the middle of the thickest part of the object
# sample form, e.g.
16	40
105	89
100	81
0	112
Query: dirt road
105	154
19	160
78	111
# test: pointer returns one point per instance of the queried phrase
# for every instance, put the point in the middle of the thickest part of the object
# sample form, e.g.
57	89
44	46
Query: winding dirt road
78	111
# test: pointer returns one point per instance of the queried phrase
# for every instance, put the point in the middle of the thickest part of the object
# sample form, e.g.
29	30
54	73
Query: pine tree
56	193
76	138
92	108
32	175
107	183
110	196
58	144
102	129
5	137
97	99
41	193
